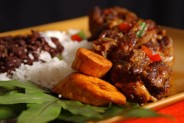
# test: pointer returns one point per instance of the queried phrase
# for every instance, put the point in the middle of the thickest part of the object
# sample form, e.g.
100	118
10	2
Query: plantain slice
90	63
89	90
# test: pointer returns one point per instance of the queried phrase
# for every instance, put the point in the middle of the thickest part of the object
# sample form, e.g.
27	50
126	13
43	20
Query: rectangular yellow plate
177	91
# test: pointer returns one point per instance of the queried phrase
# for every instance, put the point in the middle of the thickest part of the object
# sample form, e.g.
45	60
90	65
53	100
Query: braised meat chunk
100	20
156	78
136	92
141	53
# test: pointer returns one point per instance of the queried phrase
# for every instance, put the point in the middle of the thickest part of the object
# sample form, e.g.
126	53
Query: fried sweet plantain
89	90
90	63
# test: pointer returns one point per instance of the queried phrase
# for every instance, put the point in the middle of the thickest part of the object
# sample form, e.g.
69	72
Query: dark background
16	14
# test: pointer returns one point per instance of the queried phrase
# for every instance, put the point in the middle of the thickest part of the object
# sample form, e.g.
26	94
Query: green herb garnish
29	103
142	30
82	34
59	57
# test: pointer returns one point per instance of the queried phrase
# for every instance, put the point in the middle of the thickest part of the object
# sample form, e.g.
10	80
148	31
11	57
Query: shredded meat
141	78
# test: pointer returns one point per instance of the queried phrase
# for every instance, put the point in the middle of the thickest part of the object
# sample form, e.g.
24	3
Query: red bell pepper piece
125	27
107	11
76	37
147	51
155	57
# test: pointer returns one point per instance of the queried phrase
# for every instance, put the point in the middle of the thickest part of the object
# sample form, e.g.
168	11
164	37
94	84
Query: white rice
53	70
4	76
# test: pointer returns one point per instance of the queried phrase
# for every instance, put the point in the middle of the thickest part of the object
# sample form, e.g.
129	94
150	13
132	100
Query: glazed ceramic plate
177	90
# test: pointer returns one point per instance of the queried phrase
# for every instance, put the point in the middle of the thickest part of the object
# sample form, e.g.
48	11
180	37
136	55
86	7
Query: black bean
16	50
